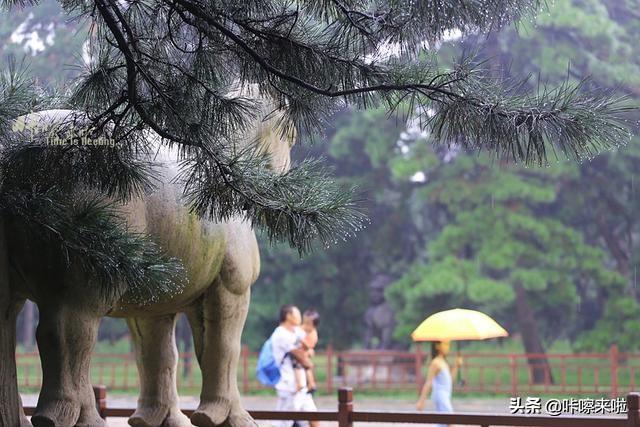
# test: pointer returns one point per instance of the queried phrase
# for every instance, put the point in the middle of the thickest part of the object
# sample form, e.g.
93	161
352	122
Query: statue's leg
24	421
66	335
157	359
220	325
11	412
217	320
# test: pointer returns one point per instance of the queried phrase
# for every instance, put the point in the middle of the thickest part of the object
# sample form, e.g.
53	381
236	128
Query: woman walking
439	379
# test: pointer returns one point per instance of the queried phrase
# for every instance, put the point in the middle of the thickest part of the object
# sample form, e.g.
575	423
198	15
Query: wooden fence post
514	375
345	407
633	409
100	393
613	356
329	369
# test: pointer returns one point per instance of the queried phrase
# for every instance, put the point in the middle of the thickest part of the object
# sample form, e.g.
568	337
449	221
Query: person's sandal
312	390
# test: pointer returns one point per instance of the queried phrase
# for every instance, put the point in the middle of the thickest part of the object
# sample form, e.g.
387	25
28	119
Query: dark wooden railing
345	415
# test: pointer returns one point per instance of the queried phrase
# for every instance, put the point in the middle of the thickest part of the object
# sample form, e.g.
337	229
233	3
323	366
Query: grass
114	366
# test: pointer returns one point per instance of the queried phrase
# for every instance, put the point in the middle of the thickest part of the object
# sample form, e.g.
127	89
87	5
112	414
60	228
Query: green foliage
174	68
335	281
91	236
328	281
39	193
572	283
580	211
618	325
504	234
302	204
591	36
17	96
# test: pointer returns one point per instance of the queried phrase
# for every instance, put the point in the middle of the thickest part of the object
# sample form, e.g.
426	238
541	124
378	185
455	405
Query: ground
498	405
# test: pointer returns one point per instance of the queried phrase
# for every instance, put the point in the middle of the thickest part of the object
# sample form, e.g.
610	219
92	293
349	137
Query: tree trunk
619	253
541	371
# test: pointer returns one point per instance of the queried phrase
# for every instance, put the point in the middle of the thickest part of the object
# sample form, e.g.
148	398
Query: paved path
495	406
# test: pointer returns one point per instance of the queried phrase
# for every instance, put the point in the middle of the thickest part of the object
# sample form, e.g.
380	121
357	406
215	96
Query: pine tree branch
225	171
127	267
310	58
190	7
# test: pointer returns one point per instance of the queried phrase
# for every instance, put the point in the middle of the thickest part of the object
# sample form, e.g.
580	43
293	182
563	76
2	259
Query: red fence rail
612	373
345	416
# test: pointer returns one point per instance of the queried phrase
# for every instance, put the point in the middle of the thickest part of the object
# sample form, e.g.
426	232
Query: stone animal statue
221	261
379	317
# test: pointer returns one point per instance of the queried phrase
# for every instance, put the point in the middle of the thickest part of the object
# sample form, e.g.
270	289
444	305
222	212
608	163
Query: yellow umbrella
456	325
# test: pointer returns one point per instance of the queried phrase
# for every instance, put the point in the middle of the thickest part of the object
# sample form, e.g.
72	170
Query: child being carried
308	342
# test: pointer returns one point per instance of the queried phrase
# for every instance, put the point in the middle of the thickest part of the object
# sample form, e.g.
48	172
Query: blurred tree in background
503	250
569	225
574	222
335	281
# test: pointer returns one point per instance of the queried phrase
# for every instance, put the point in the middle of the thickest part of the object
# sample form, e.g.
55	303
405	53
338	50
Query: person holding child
289	351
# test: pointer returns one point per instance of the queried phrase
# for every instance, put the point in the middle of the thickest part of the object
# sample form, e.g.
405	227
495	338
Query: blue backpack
268	370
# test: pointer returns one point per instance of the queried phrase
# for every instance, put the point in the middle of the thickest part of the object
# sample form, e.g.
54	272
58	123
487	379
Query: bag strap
285	355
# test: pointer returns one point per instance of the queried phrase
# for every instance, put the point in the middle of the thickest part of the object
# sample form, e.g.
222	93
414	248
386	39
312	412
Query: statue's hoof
159	416
91	420
177	419
212	414
240	418
56	413
149	416
43	421
89	417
